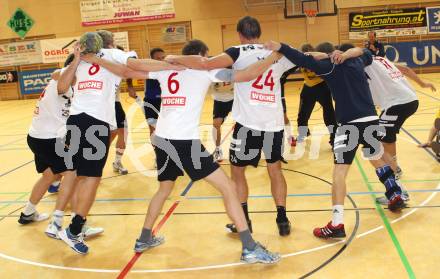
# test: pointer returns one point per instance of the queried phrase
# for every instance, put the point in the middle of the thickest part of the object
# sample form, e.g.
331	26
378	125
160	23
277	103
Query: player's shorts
349	136
92	147
222	109
121	120
283	102
174	157
394	117
45	155
247	144
152	109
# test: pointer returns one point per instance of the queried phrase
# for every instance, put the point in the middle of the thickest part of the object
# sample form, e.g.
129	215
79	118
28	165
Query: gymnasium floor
379	244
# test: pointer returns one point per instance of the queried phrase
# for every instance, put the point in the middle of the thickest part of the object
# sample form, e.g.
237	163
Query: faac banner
415	54
8	77
100	12
388	23
20	53
34	82
57	50
433	20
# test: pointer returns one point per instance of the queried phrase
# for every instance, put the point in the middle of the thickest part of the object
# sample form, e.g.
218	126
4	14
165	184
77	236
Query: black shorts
283	102
152	109
394	117
121	121
92	148
222	109
247	144
173	157
45	155
349	136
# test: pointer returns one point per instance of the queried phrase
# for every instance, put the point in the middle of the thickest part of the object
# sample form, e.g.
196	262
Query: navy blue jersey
347	82
152	90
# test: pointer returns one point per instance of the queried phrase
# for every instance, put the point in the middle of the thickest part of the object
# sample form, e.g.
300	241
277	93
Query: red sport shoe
330	231
396	203
292	141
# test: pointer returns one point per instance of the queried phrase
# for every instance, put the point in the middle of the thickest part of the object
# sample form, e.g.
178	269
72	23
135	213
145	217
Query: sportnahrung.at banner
388	23
100	12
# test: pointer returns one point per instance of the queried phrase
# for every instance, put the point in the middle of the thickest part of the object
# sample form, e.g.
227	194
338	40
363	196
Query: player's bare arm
68	76
117	69
408	72
198	62
256	69
56	74
151	65
339	57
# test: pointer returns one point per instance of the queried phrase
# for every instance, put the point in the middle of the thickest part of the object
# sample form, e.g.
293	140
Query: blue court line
220	197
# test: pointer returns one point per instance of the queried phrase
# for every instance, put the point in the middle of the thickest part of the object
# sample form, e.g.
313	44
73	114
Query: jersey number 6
173	85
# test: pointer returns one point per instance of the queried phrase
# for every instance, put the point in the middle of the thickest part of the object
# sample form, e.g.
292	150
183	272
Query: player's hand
430	85
170	59
373	48
77	50
425	145
272	45
338	57
89	58
132	92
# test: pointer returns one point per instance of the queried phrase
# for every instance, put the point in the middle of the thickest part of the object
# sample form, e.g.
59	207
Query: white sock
287	130
56	183
119	153
338	215
29	209
57	217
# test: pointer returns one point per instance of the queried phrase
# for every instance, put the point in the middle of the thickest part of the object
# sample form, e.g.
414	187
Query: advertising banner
20	53
34	82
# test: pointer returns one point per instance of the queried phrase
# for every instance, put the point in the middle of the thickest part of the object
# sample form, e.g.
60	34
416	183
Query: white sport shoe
89	232
119	168
218	154
52	230
34	217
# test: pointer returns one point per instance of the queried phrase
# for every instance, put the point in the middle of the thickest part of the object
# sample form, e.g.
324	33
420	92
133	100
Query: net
311	16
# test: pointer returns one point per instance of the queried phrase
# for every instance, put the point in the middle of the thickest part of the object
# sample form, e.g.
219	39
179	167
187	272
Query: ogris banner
415	54
388	23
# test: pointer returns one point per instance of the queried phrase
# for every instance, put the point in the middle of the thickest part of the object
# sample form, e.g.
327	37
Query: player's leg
30	213
252	251
287	127
328	111
273	150
306	105
217	136
121	132
146	239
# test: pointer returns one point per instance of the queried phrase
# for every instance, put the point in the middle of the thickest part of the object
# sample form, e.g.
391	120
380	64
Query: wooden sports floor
379	244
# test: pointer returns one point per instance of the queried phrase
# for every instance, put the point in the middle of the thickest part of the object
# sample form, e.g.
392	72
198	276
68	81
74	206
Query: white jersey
96	87
388	85
257	103
222	91
183	94
51	113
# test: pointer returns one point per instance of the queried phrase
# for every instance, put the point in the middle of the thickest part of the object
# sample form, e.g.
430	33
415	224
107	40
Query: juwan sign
20	23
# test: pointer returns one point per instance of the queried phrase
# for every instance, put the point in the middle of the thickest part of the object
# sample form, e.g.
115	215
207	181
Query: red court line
167	215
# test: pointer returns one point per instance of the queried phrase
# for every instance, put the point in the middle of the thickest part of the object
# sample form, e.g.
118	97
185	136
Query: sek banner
388	23
20	53
99	12
34	82
415	54
8	77
57	50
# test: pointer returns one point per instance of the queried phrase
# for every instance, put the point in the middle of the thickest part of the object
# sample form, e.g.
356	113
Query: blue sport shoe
140	247
259	255
74	242
54	188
